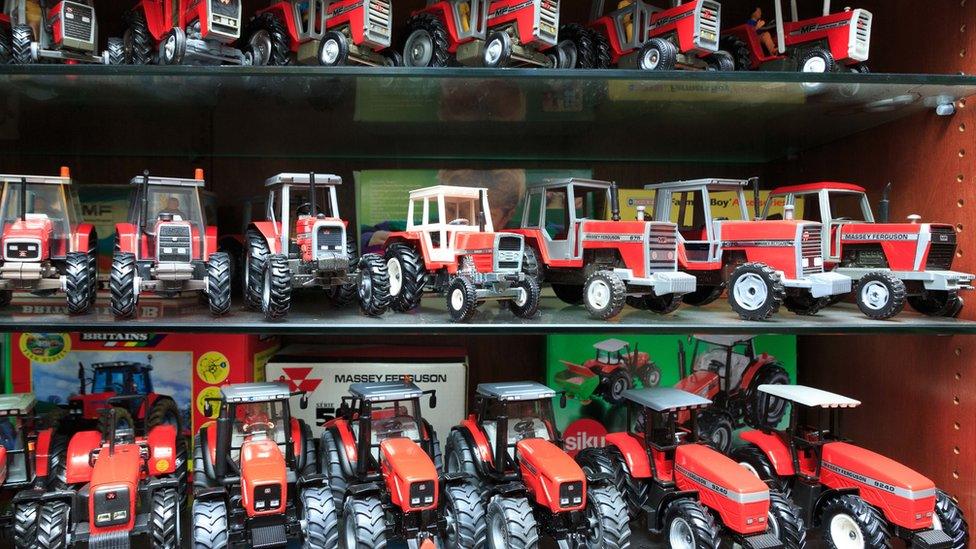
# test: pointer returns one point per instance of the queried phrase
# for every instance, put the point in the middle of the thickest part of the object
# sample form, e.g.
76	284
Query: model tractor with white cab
177	32
67	33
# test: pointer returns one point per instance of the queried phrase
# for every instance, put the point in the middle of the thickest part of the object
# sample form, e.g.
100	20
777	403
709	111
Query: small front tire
755	291
462	299
373	285
77	282
498	50
604	294
880	295
333	50
688	524
511	524
657	54
847	519
209	528
527	305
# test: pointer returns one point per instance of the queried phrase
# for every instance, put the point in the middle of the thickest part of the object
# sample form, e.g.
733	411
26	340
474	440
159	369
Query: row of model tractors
377	475
490	33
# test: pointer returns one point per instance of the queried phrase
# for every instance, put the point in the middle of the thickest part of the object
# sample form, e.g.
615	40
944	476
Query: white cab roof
302	179
35	179
448	190
808	396
172	181
610	345
255	392
665	399
563	182
515	390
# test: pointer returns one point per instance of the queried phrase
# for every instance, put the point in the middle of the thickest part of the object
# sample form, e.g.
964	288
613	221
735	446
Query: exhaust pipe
113	417
23	199
482	219
884	206
145	200
311	194
614	202
754	181
81	378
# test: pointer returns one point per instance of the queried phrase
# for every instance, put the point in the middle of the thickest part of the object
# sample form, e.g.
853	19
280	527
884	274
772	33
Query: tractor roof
515	390
724	340
35	179
820	185
169	181
665	399
713	184
808	396
564	182
448	190
610	345
302	179
385	391
17	404
255	392
121	364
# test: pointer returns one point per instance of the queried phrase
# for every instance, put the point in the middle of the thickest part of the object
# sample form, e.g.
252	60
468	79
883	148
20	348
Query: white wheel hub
680	535
457	299
652	58
815	64
396	276
330	52
169	47
875	295
750	291
493	52
845	533
420	48
521	297
598	294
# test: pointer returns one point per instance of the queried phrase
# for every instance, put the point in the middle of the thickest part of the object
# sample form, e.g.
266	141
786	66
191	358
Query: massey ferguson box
64	367
326	373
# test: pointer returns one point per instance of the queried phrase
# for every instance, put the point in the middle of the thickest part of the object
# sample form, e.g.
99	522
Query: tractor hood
738	496
264	482
27	239
490	252
410	474
88	405
551	476
906	246
114	488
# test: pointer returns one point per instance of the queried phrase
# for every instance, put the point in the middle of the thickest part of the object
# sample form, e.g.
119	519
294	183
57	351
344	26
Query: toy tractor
614	370
47	248
176	32
828	43
890	262
450	247
67	32
255	474
382	458
727	370
856	497
600	262
321	253
119	486
166	247
488	33
763	263
681	486
639	35
512	455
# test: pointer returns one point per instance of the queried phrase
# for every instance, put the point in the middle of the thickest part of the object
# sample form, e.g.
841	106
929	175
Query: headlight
422	493
267	497
111	506
570	494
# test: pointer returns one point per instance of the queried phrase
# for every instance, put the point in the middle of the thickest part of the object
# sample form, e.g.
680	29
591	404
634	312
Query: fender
127	238
286	14
263	478
410	475
775	449
211	441
42	450
341	428
77	468
635	456
410	238
547	471
209	242
271	231
442	10
298	440
156	20
162	450
477	436
84	238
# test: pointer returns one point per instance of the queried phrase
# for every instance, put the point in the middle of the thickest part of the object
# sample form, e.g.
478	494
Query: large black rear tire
164	521
77	282
276	294
164	412
331	467
122	285
610	461
209	524
459	457
764	410
123	420
268	25
218	283
601	49
426	44
200	479
255	255
937	303
408	276
511	524
136	40
740	52
582	41
321	518
569	293
373	285
715	429
363	523
754	460
465	516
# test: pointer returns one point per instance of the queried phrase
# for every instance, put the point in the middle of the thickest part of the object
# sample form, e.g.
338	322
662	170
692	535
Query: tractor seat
538	429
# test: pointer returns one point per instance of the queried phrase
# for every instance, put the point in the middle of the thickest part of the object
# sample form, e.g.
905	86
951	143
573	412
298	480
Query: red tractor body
175	32
615	369
68	33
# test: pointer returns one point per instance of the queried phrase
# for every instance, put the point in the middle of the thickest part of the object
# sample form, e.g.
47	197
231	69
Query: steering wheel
390	426
459	221
118	388
524	428
248	428
304	208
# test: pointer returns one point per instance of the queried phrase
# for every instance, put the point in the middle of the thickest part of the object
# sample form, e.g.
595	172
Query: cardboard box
327	372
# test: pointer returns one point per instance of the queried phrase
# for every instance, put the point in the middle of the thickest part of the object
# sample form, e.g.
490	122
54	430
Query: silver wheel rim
720	439
654	378
350	531
169	48
875	295
330	52
651	59
845	533
266	290
750	291
419	49
680	535
772	525
521	298
619	386
498	531
396	276
493	52
450	526
598	294
260	43
365	286
815	64
750	468
457	299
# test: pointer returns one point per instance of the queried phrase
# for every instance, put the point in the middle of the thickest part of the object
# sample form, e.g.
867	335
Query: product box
326	373
188	367
723	204
595	369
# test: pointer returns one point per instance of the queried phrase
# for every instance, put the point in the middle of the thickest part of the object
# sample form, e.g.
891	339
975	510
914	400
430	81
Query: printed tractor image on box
615	369
176	32
68	33
891	263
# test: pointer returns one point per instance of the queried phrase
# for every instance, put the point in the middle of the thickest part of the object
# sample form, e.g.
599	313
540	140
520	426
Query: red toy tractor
639	35
450	247
890	262
489	33
118	487
174	32
727	370
67	32
167	248
255	474
511	453
613	370
856	497
763	263
320	253
47	248
681	487
382	458
324	32
827	43
600	262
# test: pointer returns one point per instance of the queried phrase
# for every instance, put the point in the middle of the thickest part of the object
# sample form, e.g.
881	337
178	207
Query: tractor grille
508	253
78	21
708	20
22	250
662	245
942	249
173	243
225	17
860	45
379	21
811	249
329	238
548	20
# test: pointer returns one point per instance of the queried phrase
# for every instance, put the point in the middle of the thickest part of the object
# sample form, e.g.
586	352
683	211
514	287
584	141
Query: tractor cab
509	413
614	352
716	358
305	207
16	422
126	384
652	415
40	215
558	209
169	212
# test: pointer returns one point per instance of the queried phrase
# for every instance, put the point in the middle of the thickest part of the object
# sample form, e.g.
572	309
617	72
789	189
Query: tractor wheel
607	511
459	457
949	518
582	42
25	524
122	285
344	294
703	295
660	304
650	375
427	42
754	460
498	50
617	382
331	466
123	420
528	304
373	287
172	49
200	479
720	61
136	40
320	517
816	59
764	410
209	525
531	267
57	464
77	282
688	525
601	49
804	304
569	293
52	525
182	472
392	58
363	523
310	455
740	52
276	296
937	303
880	295
784	521
408	276
254	258
267	42
511	524
462	299
464	515
333	50
218	283
164	521
849	521
715	429
92	255
116	51
6	53
604	294
657	54
610	461
21	38
164	412
755	291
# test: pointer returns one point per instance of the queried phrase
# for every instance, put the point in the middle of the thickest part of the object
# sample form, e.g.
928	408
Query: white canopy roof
610	345
808	396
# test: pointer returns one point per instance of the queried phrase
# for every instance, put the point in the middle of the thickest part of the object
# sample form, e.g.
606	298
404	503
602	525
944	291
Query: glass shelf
430	115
